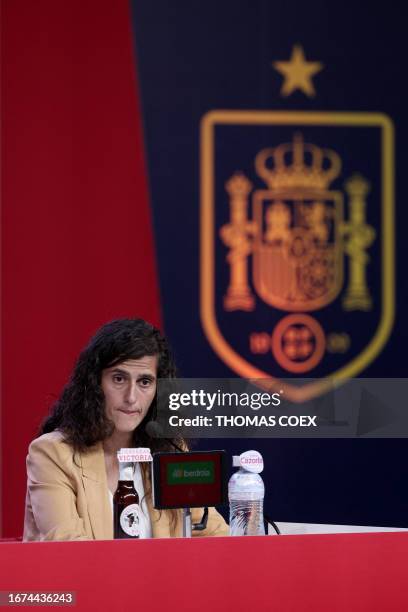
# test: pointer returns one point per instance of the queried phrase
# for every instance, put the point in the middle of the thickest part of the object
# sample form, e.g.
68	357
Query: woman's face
129	390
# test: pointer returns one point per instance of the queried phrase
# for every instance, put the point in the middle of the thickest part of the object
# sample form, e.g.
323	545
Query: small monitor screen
189	480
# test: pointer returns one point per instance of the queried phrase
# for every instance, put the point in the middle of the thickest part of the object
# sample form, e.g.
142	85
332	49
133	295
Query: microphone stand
187	527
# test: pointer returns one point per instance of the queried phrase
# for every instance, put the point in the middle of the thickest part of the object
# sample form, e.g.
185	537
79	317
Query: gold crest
297	245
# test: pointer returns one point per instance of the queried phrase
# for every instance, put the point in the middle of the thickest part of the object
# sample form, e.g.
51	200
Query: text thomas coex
244	421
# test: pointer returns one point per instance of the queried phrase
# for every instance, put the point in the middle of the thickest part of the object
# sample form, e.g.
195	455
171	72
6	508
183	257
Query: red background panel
76	229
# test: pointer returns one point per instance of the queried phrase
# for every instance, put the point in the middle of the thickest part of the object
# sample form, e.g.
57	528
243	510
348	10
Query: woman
72	467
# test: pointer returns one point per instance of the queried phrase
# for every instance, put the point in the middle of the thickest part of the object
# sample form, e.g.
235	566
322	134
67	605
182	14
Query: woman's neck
117	441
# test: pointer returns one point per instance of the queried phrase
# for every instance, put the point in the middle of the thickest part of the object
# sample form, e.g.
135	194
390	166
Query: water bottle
246	493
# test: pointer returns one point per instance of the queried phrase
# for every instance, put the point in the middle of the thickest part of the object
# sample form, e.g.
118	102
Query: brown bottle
125	505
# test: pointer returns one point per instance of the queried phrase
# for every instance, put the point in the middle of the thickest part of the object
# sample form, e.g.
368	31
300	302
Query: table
330	573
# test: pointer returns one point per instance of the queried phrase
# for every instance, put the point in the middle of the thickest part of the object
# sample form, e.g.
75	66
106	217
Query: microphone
155	430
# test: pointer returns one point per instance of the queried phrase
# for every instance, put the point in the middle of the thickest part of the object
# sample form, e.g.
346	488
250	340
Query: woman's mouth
129	412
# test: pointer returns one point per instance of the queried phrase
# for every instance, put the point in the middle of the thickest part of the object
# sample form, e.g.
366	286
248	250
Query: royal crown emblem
298	165
292	246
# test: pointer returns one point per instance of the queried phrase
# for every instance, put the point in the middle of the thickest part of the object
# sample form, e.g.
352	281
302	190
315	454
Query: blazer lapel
96	492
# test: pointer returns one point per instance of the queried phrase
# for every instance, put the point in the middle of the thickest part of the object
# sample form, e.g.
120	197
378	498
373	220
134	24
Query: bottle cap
251	461
236	461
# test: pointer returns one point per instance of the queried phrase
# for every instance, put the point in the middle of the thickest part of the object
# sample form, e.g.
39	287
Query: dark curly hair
80	411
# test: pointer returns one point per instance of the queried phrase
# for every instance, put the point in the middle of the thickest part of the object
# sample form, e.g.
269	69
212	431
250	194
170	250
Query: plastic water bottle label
252	461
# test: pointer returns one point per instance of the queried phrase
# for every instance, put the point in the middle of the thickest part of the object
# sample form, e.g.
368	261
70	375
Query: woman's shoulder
51	460
51	444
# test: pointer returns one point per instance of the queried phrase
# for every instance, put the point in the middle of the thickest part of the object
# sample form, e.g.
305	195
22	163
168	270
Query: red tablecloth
327	573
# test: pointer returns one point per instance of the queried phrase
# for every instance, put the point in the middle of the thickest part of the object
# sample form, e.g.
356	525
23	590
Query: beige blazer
68	499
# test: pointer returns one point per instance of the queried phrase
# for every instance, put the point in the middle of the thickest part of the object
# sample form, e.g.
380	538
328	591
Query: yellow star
298	73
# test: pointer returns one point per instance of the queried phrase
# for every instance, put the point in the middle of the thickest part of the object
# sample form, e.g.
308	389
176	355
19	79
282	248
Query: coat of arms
297	239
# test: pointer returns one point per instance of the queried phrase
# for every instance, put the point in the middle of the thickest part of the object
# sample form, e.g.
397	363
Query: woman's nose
131	394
